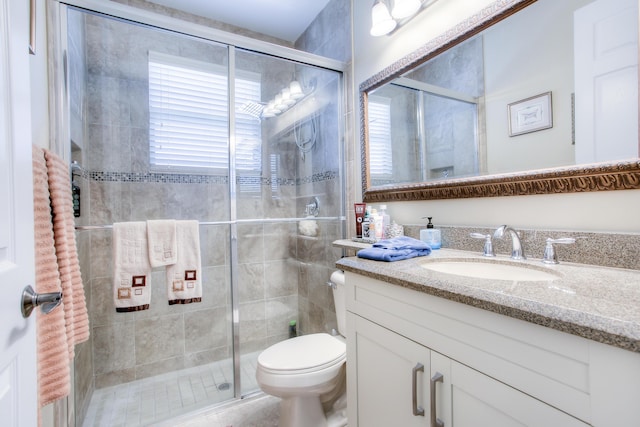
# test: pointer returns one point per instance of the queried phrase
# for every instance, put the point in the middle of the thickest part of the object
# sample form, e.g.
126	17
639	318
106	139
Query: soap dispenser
431	235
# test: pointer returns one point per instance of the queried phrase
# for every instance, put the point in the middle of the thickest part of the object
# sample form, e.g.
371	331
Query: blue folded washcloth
403	242
395	249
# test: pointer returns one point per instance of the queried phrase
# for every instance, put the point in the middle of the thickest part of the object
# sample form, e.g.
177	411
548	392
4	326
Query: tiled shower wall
282	274
328	35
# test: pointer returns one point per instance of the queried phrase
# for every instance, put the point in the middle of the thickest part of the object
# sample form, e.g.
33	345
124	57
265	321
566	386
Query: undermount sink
482	269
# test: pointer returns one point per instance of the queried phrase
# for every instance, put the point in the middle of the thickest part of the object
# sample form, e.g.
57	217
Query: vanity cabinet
392	369
409	353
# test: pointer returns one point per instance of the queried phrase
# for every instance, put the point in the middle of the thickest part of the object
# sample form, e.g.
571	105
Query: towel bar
239	221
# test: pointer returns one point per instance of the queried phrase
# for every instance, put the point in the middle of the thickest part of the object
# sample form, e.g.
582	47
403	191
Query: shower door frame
59	111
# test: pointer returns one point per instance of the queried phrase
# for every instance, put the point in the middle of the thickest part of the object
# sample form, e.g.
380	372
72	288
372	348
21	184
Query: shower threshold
155	399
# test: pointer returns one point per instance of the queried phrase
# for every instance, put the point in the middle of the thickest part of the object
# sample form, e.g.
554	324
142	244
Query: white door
17	335
606	66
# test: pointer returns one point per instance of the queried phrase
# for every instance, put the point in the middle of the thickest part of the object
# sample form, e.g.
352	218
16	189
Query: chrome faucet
517	251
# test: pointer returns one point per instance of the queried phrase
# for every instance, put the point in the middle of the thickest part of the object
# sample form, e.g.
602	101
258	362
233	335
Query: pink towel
76	317
52	347
184	278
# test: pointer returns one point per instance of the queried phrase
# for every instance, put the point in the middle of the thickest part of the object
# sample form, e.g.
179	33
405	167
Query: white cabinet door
387	364
479	400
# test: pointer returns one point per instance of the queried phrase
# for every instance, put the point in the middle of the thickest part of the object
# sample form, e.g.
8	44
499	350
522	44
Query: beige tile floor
153	401
258	411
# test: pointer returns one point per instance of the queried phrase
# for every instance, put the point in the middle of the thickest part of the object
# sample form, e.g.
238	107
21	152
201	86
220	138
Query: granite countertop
598	303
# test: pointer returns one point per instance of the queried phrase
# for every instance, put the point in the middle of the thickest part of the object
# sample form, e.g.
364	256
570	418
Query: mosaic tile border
151	177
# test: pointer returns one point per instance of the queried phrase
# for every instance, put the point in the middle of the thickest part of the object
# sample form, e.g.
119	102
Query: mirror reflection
522	95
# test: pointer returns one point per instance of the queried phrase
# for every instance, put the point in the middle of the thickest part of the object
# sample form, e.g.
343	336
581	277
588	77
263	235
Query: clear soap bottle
386	221
431	235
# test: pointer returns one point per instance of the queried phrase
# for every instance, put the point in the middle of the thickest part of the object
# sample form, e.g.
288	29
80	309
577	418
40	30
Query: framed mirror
503	105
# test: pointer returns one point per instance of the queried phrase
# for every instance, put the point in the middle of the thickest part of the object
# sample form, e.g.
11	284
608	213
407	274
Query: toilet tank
340	300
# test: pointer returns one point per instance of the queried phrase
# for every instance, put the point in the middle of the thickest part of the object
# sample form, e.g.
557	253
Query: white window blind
188	116
380	151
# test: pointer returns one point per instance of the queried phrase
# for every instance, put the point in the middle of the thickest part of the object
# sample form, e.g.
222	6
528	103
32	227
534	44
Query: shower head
252	108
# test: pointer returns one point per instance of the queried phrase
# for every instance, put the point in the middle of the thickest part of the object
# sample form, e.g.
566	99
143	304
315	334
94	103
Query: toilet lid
304	352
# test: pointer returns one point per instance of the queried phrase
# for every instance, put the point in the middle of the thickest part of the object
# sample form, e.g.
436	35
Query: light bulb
279	104
271	107
286	97
405	8
296	90
381	21
267	112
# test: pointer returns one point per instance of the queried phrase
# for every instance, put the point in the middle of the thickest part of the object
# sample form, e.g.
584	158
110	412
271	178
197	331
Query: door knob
31	300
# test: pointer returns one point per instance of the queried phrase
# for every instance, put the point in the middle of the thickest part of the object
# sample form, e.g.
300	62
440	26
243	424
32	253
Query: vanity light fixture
384	22
286	98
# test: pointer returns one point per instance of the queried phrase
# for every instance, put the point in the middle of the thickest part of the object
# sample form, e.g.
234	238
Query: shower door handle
31	300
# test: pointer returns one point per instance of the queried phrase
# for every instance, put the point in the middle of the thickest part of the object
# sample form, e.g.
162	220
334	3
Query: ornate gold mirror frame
623	175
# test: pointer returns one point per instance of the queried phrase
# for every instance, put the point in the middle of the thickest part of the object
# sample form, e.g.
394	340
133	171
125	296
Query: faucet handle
488	244
550	256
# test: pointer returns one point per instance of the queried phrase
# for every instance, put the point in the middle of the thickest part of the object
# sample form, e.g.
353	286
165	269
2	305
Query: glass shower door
287	150
148	116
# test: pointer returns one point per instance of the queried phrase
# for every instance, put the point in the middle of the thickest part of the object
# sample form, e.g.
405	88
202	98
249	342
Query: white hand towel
184	278
162	242
132	271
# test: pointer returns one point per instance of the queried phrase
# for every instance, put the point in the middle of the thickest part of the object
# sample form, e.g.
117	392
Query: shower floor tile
151	400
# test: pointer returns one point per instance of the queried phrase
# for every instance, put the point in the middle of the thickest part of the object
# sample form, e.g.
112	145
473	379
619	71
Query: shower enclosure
170	122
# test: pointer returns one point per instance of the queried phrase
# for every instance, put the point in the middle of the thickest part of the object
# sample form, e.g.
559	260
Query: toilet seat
303	354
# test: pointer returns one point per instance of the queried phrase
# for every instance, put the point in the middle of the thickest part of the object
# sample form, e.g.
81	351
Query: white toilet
308	371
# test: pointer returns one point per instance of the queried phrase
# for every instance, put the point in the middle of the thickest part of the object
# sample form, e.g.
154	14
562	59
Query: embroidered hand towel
184	278
132	271
54	381
162	242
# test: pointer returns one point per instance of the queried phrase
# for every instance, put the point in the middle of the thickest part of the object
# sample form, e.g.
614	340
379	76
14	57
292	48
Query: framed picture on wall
530	114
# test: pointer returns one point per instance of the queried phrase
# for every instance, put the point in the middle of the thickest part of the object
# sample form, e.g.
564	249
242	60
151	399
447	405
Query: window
188	117
380	152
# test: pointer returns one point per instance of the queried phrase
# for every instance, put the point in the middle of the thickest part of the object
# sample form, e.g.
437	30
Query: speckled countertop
598	303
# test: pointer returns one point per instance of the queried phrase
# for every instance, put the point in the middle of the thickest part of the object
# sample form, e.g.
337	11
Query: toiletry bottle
430	235
386	221
377	219
359	211
292	329
366	224
75	193
372	223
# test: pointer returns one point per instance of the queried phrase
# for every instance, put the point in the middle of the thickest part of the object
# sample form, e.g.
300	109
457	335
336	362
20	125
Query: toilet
309	372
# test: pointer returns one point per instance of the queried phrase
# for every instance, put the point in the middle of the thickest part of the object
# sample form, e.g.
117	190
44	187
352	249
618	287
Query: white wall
614	211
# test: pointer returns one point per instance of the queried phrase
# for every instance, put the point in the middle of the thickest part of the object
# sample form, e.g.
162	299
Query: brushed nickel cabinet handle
417	410
437	378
